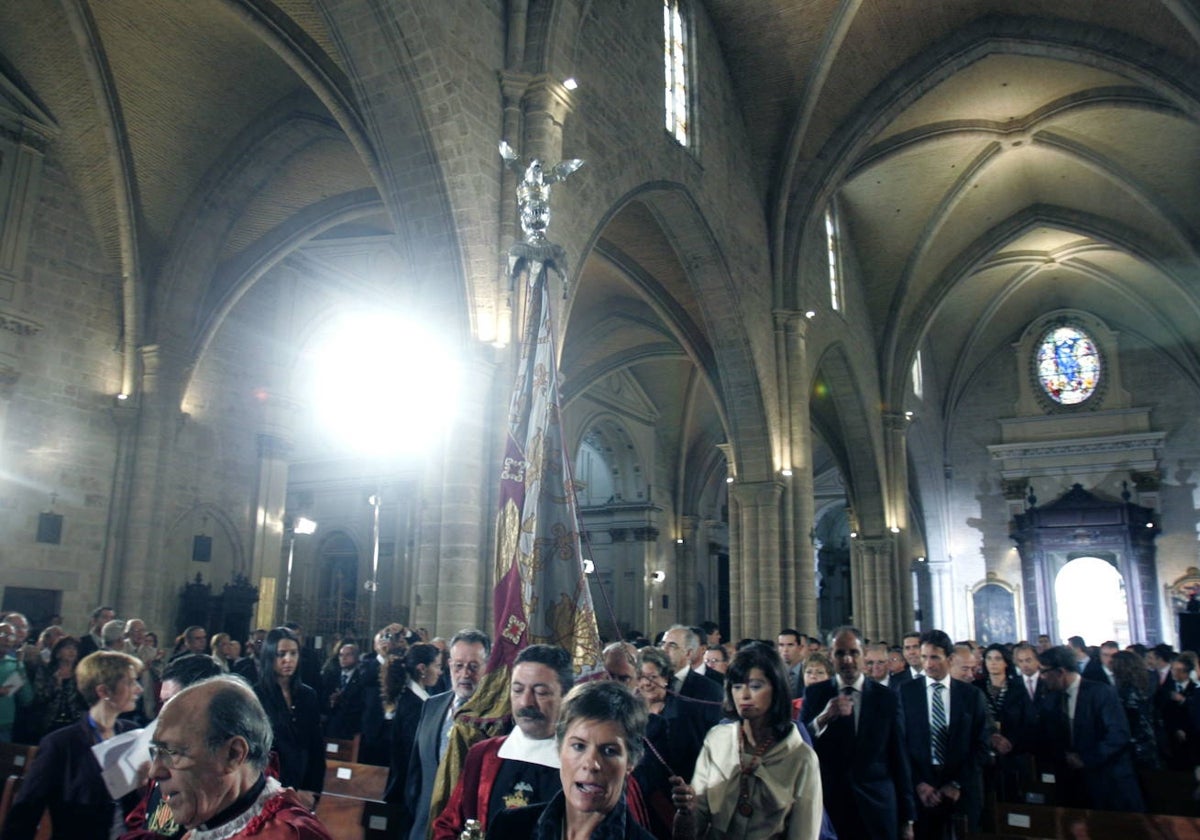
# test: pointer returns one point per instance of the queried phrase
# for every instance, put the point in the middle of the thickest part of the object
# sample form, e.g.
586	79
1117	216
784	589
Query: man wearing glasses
208	756
469	651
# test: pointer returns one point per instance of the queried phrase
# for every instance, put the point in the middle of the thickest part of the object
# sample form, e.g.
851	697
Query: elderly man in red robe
208	755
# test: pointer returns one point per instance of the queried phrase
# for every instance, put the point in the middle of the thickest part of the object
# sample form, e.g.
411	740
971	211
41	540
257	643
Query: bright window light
382	385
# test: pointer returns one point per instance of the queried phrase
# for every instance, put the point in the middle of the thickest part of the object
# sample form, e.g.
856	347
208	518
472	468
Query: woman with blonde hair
64	777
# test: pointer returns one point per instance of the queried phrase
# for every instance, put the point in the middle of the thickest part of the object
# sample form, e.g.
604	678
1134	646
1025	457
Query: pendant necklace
747	770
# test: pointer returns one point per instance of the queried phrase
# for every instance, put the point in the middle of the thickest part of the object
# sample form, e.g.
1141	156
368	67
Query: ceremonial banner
541	593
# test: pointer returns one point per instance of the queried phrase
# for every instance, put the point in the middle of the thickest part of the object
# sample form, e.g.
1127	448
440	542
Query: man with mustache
521	768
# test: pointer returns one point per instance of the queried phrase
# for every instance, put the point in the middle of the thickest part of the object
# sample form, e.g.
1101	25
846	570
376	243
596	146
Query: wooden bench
358	781
337	750
15	759
1036	821
12	786
348	818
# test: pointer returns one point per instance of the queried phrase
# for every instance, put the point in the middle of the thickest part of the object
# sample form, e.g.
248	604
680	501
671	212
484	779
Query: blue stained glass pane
1068	365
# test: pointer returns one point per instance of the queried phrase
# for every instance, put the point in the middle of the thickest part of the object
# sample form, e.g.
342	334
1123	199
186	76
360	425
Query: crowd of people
678	738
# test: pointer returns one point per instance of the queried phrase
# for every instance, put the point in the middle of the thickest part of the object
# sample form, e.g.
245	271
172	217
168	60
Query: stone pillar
756	561
686	570
267	562
872	563
803	595
455	562
132	579
941	584
895	436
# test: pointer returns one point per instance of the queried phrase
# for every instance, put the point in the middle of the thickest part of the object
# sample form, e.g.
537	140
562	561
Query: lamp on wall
658	576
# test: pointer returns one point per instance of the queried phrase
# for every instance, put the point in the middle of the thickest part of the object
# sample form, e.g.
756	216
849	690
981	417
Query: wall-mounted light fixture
658	576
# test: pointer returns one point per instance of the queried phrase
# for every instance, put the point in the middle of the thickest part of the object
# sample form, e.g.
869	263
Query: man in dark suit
1170	699
700	699
945	725
469	651
793	647
1087	737
342	697
875	666
911	648
858	734
1099	668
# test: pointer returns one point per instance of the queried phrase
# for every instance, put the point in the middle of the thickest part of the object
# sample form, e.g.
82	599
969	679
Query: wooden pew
15	759
1036	821
349	818
336	750
358	781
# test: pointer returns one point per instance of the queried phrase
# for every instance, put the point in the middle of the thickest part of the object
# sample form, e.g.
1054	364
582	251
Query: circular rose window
1068	365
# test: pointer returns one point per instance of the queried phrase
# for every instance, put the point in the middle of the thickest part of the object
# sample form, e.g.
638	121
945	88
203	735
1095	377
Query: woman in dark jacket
64	778
407	687
1132	681
295	715
56	698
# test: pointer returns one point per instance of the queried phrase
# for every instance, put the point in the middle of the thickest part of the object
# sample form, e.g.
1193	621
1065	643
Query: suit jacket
299	741
404	732
1100	737
1020	720
423	765
966	741
65	779
695	710
1094	671
375	746
343	714
869	763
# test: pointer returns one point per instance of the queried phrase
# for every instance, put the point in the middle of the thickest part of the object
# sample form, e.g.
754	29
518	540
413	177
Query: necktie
848	691
938	725
1029	686
345	680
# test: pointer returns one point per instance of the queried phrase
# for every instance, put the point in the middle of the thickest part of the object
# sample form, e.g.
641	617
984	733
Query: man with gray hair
700	698
208	755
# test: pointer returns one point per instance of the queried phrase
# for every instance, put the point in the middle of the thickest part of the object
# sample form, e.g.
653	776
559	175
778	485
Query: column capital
545	94
757	493
895	421
513	85
793	320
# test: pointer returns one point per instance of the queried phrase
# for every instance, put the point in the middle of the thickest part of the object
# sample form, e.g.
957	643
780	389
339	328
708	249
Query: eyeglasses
166	756
459	667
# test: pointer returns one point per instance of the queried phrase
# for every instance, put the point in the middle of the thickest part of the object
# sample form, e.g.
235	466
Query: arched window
675	67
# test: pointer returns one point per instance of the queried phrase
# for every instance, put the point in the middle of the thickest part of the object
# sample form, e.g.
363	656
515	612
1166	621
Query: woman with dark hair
414	676
756	778
56	699
1132	681
997	679
295	715
600	730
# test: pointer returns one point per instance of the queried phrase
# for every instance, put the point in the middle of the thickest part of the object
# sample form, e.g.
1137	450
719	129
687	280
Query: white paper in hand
120	757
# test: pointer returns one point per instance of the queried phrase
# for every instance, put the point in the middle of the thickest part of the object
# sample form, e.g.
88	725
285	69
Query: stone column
453	579
132	580
895	436
756	561
686	569
802	599
267	562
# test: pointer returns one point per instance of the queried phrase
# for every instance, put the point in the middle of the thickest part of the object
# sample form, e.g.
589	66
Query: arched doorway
1090	601
338	602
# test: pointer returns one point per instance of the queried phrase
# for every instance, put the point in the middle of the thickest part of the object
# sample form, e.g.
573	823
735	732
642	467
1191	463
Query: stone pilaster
756	560
801	600
895	436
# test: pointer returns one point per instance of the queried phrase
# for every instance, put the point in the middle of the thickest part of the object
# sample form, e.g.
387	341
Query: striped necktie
938	725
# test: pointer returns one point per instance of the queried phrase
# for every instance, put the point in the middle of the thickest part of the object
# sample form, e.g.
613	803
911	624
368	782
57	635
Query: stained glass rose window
1068	365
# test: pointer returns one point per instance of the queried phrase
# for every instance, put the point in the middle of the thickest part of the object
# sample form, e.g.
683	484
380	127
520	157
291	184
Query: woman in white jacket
755	778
